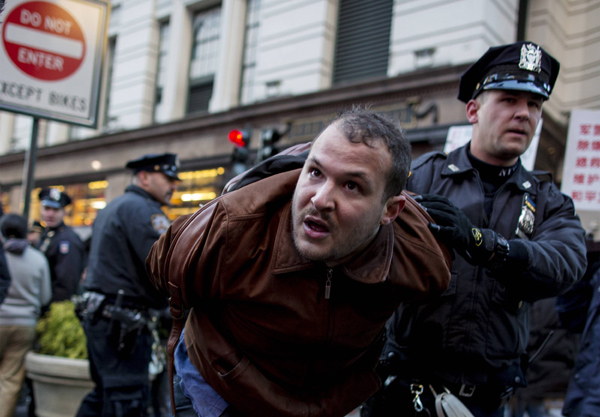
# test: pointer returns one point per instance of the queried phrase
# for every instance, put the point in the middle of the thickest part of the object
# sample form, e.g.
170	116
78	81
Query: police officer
516	240
119	292
61	245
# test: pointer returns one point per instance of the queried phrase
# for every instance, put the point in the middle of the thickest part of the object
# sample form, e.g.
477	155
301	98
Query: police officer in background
61	245
119	294
516	240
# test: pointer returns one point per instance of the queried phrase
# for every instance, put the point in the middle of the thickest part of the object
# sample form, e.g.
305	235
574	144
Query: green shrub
60	332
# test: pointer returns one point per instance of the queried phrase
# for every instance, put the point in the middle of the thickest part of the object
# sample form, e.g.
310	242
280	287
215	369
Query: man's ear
142	178
393	207
472	109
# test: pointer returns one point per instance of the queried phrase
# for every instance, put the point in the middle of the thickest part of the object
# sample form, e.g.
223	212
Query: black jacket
479	327
4	275
122	236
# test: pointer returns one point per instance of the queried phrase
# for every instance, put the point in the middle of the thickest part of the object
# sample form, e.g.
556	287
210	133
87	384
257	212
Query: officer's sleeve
68	267
144	226
421	173
555	258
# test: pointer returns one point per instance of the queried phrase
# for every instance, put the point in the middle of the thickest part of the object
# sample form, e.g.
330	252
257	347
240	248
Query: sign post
51	55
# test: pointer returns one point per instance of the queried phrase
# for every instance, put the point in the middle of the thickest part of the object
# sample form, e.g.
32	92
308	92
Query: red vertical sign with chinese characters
581	178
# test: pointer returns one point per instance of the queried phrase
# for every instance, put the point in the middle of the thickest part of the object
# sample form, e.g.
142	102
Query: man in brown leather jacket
290	280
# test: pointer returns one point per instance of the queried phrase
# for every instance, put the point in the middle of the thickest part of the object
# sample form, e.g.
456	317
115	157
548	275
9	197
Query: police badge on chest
526	219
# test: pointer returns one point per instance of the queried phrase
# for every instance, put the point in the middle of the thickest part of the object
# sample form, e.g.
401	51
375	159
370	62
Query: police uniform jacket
480	324
66	257
122	236
275	334
583	396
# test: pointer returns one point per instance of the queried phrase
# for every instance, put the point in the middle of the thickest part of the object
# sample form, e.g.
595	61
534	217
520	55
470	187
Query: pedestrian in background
61	245
119	293
516	239
29	291
579	309
551	354
4	274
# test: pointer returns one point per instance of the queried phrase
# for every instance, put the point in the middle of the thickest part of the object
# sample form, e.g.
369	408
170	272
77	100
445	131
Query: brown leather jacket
261	331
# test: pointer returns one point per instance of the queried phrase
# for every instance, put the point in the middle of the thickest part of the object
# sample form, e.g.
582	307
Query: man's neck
483	156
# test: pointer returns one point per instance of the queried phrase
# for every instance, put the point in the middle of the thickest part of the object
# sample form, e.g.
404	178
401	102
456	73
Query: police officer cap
36	227
522	66
53	197
167	163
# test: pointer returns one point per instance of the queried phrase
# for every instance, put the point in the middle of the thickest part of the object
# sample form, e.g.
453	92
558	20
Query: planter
59	384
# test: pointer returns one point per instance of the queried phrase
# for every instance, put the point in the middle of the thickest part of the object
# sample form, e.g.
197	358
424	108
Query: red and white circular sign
43	40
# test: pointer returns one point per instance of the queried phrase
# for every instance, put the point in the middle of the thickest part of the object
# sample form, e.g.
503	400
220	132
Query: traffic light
240	138
239	158
268	138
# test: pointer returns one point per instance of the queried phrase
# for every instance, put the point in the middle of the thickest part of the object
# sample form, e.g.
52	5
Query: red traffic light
239	138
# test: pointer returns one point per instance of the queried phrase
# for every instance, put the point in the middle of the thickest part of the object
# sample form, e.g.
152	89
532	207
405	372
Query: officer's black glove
478	246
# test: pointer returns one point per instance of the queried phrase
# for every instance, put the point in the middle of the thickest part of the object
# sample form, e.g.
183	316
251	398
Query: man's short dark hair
13	226
363	125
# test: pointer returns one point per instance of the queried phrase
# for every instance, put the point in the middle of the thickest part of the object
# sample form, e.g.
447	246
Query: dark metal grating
363	39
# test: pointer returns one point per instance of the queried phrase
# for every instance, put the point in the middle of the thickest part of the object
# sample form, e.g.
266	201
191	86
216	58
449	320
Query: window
204	60
196	188
249	62
161	72
112	46
21	136
363	39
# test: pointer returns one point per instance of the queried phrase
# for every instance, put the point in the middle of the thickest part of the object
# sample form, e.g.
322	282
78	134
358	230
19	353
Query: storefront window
196	188
5	201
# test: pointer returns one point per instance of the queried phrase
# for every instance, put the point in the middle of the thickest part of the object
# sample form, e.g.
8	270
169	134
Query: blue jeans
183	404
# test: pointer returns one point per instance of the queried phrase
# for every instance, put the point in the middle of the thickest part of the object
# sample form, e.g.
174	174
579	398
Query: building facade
180	74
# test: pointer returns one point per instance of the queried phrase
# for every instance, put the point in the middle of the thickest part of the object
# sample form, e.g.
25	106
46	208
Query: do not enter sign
51	58
43	40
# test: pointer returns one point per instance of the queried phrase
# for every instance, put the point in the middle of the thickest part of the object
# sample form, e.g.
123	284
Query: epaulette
421	160
542	176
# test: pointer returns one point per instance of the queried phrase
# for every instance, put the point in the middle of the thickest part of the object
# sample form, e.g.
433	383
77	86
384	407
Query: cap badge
531	58
54	194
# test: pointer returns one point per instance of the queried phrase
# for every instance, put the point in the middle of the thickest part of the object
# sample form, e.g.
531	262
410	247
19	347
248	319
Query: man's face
159	186
52	216
338	204
504	123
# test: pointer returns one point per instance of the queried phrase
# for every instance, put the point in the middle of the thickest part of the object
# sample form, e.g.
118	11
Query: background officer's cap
36	227
167	163
522	66
53	197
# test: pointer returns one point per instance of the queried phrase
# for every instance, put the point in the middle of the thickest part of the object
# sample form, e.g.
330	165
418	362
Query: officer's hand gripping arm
478	246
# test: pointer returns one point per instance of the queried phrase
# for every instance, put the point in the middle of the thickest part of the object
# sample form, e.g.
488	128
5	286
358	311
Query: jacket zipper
328	283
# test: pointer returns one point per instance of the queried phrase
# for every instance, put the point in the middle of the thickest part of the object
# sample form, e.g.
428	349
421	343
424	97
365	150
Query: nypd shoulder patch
160	223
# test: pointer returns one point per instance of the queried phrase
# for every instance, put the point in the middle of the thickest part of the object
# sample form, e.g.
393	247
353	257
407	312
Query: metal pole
29	168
